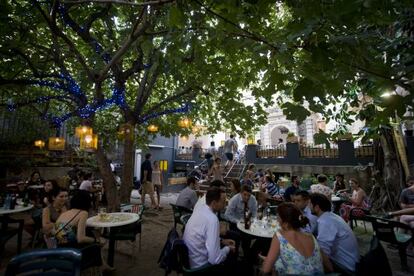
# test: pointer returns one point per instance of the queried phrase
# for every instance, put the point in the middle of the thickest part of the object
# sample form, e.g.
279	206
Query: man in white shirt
202	200
202	232
86	184
335	237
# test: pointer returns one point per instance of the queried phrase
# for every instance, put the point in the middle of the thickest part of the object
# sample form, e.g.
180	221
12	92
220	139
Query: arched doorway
279	132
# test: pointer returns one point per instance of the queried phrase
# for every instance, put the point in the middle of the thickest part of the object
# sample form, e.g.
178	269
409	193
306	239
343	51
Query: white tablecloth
260	228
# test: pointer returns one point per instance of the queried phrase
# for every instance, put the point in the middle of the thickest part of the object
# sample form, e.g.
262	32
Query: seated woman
293	252
52	212
358	199
70	231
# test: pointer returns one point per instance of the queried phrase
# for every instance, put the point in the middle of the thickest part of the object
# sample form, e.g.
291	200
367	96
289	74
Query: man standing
301	200
292	189
188	197
202	232
335	237
146	178
230	148
322	187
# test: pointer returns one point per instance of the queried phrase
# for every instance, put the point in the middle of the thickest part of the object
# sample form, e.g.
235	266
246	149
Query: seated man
292	189
335	237
407	195
272	189
406	216
238	204
322	187
216	183
301	200
202	232
188	197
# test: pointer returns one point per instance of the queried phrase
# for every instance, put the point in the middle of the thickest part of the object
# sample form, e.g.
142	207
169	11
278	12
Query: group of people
311	240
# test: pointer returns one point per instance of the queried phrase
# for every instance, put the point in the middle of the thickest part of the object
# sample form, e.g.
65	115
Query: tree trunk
111	191
389	173
128	166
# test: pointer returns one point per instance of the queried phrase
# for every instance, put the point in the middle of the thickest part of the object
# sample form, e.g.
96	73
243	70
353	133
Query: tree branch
148	3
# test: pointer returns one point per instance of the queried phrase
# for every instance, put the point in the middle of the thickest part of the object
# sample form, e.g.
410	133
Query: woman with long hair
70	231
57	206
357	199
292	251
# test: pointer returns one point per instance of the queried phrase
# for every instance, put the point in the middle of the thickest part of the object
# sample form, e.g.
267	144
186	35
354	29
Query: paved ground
129	260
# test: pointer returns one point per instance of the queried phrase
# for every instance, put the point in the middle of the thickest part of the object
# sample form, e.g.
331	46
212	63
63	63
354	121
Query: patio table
260	228
17	209
111	220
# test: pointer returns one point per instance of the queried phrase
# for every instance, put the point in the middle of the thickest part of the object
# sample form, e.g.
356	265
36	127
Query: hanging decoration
125	130
39	143
185	122
56	143
164	165
152	128
89	142
83	130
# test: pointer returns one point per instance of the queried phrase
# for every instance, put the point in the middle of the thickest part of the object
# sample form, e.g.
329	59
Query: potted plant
291	138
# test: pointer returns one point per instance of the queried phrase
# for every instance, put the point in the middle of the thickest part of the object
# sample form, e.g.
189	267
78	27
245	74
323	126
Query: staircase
235	172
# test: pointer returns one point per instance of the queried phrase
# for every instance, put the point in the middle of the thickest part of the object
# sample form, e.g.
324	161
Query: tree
145	60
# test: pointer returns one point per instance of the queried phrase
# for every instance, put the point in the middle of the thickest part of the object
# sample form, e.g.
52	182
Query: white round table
335	198
260	228
35	187
115	220
17	209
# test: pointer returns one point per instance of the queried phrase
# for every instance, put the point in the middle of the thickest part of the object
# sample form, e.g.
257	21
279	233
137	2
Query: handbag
50	240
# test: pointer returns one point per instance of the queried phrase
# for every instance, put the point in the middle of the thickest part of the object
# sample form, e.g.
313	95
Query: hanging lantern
152	128
125	130
89	142
83	130
222	142
185	122
39	143
56	143
250	140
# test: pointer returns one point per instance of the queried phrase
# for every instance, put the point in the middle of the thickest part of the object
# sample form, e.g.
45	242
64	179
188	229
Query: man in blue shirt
292	189
335	237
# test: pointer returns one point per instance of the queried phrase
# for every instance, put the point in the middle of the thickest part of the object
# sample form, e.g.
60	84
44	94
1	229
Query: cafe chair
181	251
58	261
184	219
391	231
375	261
358	214
7	233
179	211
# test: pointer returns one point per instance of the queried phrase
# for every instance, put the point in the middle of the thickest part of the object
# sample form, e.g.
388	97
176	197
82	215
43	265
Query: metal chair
59	261
6	232
178	211
358	214
385	231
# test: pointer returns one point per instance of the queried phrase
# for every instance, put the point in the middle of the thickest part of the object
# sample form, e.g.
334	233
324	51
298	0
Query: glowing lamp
82	131
152	128
39	143
185	123
56	143
250	140
89	142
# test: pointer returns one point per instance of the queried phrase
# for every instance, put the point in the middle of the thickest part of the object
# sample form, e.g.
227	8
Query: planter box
292	139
